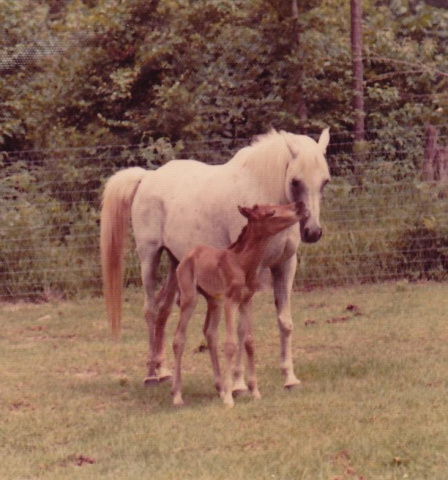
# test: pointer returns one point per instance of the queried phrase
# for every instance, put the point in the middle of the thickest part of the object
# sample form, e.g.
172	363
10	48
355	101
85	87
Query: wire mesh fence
381	221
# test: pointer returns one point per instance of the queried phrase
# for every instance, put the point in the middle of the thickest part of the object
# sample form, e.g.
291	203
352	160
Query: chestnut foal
231	277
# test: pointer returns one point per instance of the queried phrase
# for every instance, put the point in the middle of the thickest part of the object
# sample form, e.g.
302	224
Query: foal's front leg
230	346
239	384
247	320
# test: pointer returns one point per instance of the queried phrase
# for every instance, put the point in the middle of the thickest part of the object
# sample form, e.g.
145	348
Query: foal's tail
115	213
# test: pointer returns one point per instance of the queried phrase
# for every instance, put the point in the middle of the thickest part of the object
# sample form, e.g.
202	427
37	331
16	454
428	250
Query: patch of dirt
338	319
342	461
21	405
354	309
78	460
310	322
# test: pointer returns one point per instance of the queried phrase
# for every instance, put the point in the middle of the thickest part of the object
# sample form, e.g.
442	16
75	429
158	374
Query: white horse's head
306	176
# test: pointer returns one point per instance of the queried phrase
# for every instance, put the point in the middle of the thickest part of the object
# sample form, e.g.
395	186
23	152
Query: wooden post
428	171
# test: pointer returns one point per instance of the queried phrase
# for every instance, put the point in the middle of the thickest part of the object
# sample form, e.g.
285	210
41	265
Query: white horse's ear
324	139
292	146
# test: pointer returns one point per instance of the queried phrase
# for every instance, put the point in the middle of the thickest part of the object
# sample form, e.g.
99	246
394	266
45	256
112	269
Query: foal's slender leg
211	334
230	347
165	300
247	319
283	277
239	384
188	304
188	300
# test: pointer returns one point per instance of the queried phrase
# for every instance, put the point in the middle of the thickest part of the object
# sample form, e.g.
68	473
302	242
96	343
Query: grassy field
373	404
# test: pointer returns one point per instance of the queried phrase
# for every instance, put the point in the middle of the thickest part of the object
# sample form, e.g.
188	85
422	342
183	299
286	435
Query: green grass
373	402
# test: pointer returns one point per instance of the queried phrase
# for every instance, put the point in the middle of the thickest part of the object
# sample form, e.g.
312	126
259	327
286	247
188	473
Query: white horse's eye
296	183
298	187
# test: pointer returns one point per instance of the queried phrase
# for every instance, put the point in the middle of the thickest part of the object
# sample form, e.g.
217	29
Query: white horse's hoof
291	383
164	374
151	381
229	403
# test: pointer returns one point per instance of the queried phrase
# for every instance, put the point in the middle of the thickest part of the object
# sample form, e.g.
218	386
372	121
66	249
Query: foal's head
267	220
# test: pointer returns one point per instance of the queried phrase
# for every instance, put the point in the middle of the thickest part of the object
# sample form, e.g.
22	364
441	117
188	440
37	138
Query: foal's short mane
239	242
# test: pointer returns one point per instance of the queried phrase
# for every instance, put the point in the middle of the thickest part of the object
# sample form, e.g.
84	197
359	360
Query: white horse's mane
267	158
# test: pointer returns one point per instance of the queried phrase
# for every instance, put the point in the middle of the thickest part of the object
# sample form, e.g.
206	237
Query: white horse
187	203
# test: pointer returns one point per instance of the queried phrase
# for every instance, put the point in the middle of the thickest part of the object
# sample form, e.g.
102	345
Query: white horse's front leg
283	277
211	334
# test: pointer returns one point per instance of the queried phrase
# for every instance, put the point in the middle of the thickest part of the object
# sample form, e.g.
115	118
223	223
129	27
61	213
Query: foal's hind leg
188	300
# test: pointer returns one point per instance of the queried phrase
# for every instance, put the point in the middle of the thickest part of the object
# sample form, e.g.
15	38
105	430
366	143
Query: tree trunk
357	65
301	107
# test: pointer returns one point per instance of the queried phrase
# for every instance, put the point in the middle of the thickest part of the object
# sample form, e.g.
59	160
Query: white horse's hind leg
283	277
149	264
165	300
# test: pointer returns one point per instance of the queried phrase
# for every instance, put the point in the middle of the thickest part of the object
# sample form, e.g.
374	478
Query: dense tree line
116	72
90	86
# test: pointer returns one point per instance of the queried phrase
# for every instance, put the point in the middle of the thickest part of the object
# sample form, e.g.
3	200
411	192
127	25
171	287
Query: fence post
428	173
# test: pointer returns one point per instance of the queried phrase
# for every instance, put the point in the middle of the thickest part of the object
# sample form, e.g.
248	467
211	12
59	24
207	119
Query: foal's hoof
229	403
239	388
178	402
240	392
256	394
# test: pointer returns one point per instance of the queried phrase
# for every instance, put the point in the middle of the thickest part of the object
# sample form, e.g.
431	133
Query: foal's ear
245	212
324	140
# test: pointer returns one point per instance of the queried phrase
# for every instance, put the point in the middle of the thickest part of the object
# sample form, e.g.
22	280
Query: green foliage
383	231
91	86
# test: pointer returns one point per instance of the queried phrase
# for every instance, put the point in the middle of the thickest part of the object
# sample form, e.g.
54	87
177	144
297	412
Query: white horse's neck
266	162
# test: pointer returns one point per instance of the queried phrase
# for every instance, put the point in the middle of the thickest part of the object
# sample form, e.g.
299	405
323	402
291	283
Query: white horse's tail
115	213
